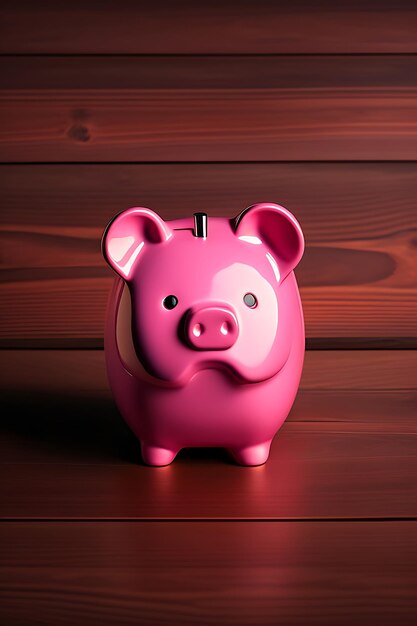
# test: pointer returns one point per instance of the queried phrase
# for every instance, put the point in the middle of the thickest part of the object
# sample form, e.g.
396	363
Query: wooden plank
83	371
209	573
349	448
333	201
56	304
309	475
213	27
207	72
357	278
209	109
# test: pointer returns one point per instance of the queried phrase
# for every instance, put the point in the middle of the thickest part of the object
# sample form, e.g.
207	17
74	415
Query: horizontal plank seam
230	162
206	519
199	55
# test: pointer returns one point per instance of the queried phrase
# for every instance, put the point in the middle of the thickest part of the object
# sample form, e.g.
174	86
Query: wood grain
358	276
209	573
70	304
83	371
213	27
349	448
313	475
333	201
238	109
91	73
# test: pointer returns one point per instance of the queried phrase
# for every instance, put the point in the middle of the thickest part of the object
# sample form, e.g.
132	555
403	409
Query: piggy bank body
204	338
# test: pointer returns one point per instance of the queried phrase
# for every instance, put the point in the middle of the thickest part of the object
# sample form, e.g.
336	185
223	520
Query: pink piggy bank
205	333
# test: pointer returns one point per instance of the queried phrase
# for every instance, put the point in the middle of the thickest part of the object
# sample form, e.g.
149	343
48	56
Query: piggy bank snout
211	328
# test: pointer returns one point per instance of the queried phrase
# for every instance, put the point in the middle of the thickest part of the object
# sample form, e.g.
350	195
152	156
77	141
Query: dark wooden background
185	106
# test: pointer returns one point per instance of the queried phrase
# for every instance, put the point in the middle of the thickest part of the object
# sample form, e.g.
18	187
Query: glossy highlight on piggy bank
204	337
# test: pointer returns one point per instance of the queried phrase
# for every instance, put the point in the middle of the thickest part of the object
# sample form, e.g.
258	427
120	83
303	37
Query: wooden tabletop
324	533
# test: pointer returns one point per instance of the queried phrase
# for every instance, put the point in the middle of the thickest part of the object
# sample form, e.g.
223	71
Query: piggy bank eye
250	300
170	302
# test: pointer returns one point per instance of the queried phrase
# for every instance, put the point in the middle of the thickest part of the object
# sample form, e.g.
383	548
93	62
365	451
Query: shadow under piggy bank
75	428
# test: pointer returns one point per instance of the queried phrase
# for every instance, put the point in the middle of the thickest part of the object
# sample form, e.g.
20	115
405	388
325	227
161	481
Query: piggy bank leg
252	455
152	455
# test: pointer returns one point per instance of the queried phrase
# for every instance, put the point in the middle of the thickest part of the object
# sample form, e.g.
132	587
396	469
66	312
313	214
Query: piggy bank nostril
211	328
225	328
198	330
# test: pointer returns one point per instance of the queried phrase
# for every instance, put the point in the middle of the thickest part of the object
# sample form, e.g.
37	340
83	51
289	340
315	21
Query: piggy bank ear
277	228
127	234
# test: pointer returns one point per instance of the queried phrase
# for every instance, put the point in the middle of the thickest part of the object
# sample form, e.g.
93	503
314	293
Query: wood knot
78	132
